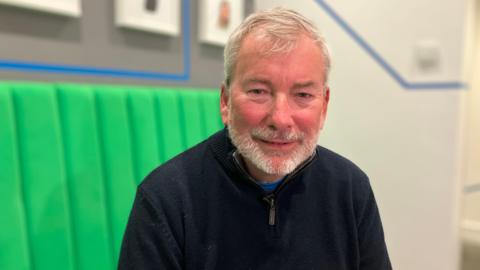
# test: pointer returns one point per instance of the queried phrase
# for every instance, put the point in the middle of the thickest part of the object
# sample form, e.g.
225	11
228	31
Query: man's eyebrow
304	84
298	85
257	80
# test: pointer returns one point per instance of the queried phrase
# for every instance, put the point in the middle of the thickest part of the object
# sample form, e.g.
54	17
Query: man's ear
224	104
326	99
326	95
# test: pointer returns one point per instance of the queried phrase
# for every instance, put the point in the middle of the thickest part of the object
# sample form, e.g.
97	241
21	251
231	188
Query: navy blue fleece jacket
200	210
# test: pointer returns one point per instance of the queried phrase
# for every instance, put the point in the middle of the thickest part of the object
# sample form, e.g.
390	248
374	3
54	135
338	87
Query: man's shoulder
339	169
183	168
336	161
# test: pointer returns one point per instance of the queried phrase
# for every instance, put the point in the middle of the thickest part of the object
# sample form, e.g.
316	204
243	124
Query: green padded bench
71	157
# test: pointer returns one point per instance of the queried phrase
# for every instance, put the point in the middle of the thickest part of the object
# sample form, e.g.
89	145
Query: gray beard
266	162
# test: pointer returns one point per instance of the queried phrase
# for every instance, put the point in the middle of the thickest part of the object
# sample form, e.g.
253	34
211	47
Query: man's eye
304	95
257	91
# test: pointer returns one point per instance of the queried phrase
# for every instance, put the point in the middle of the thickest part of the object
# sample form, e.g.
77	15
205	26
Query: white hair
280	29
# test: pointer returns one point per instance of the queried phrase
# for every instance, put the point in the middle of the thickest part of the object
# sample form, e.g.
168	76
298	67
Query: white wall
471	207
408	141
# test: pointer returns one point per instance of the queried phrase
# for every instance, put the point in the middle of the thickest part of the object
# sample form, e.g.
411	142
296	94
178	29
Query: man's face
276	107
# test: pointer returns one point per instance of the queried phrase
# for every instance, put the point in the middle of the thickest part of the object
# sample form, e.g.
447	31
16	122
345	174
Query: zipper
270	199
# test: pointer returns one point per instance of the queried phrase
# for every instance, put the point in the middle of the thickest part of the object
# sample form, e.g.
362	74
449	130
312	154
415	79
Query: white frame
164	20
209	31
71	8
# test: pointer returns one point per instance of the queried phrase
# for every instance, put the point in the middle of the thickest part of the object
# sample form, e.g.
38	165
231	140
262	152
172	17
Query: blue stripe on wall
380	60
472	188
113	72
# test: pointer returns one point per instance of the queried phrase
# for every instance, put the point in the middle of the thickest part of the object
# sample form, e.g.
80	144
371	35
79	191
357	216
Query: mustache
265	133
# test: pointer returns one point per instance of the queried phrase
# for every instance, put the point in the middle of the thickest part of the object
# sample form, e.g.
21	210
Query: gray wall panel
93	40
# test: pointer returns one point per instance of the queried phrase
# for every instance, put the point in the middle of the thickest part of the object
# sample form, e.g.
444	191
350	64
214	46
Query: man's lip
277	142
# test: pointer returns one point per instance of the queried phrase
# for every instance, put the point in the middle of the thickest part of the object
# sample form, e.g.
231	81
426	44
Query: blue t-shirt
269	187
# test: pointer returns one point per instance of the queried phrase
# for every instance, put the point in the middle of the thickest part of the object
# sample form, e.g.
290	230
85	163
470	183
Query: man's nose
280	114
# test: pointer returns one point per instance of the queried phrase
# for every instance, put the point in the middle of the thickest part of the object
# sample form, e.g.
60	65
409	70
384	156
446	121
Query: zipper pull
270	199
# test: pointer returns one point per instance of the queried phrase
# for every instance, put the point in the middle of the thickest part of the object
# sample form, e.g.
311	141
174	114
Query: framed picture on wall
158	16
218	18
63	7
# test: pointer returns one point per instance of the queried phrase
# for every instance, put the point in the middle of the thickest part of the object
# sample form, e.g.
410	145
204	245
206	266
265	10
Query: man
261	194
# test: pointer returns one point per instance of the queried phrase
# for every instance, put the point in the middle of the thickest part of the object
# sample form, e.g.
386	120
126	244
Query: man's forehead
258	79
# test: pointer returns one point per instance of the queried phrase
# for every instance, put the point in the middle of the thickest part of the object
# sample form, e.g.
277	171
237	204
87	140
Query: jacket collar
226	154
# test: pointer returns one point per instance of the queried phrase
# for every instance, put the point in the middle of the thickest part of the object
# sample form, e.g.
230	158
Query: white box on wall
158	16
63	7
218	18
